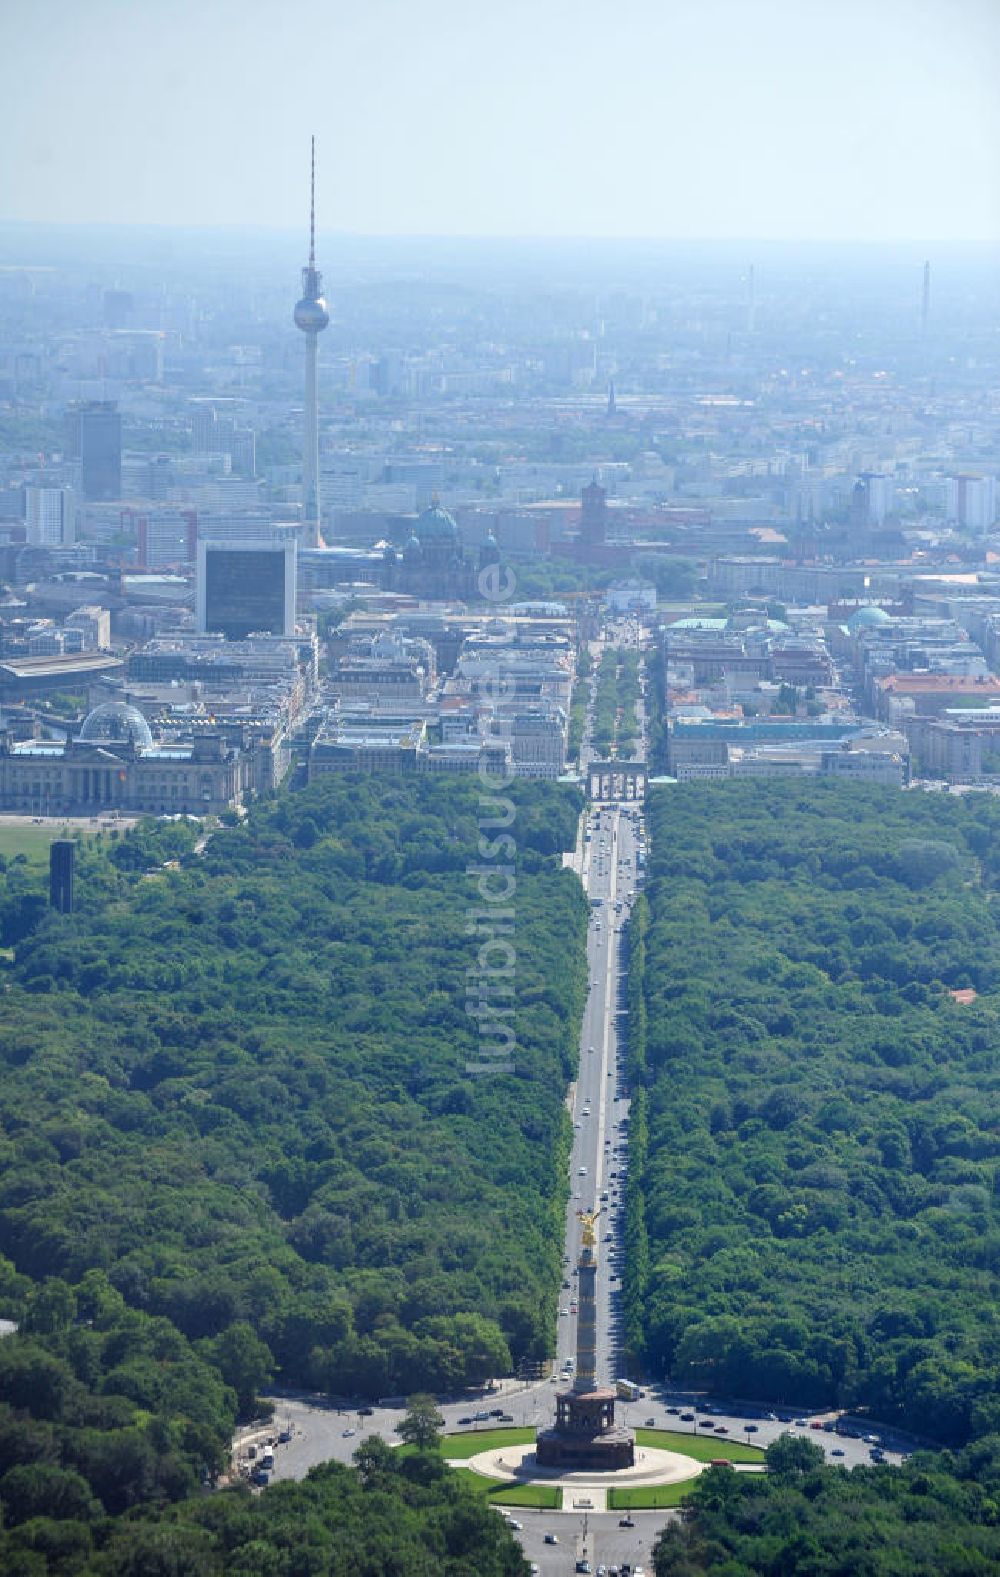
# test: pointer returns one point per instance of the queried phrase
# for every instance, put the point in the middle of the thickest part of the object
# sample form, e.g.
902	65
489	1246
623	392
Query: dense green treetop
394	1517
421	1424
615	724
819	1190
241	1139
936	1516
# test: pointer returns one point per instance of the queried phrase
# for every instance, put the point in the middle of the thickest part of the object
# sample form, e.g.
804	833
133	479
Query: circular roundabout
516	1464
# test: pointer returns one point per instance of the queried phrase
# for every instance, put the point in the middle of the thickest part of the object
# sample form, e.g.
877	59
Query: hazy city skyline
836	119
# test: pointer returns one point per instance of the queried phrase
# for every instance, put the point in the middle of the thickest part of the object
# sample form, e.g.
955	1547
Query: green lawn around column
650	1497
701	1447
471	1441
545	1497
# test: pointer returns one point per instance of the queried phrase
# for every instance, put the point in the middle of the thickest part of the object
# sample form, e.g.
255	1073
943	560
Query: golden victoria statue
588	1217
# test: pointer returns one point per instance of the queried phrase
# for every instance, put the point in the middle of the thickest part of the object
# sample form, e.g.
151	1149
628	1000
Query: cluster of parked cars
259	1463
625	1570
839	1426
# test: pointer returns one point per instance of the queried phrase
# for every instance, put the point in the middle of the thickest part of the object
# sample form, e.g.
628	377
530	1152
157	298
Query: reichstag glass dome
114	721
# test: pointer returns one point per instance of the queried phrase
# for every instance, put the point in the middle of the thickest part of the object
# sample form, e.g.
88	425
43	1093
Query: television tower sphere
311	315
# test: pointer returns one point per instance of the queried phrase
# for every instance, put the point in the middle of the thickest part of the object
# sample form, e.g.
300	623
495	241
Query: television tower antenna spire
312	202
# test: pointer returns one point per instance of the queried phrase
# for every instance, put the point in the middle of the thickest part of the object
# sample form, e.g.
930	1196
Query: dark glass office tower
94	433
247	587
245	592
62	854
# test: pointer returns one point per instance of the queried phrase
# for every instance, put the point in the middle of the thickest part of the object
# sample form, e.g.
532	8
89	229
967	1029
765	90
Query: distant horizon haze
750	120
267	261
299	235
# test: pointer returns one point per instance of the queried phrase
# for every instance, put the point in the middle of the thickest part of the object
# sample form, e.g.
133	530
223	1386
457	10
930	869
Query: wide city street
610	859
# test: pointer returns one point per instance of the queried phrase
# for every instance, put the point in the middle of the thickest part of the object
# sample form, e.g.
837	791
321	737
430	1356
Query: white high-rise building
880	497
50	516
972	501
94	626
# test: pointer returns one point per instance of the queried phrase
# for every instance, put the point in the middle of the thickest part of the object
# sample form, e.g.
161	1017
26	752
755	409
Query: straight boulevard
607	860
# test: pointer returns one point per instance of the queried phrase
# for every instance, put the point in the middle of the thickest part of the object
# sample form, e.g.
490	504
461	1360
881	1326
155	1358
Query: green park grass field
470	1442
31	841
650	1497
545	1497
701	1447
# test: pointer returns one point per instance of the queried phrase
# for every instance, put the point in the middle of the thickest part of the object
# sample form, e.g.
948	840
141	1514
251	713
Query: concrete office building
537	736
94	626
878	497
215	430
247	588
164	537
237	526
44	640
387	669
50	516
398	747
365	747
972	502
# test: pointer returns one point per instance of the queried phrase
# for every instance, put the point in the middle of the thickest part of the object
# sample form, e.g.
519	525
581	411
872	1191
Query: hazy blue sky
867	119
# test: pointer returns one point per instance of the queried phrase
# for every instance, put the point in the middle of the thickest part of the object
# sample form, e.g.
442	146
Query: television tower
312	318
925	299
